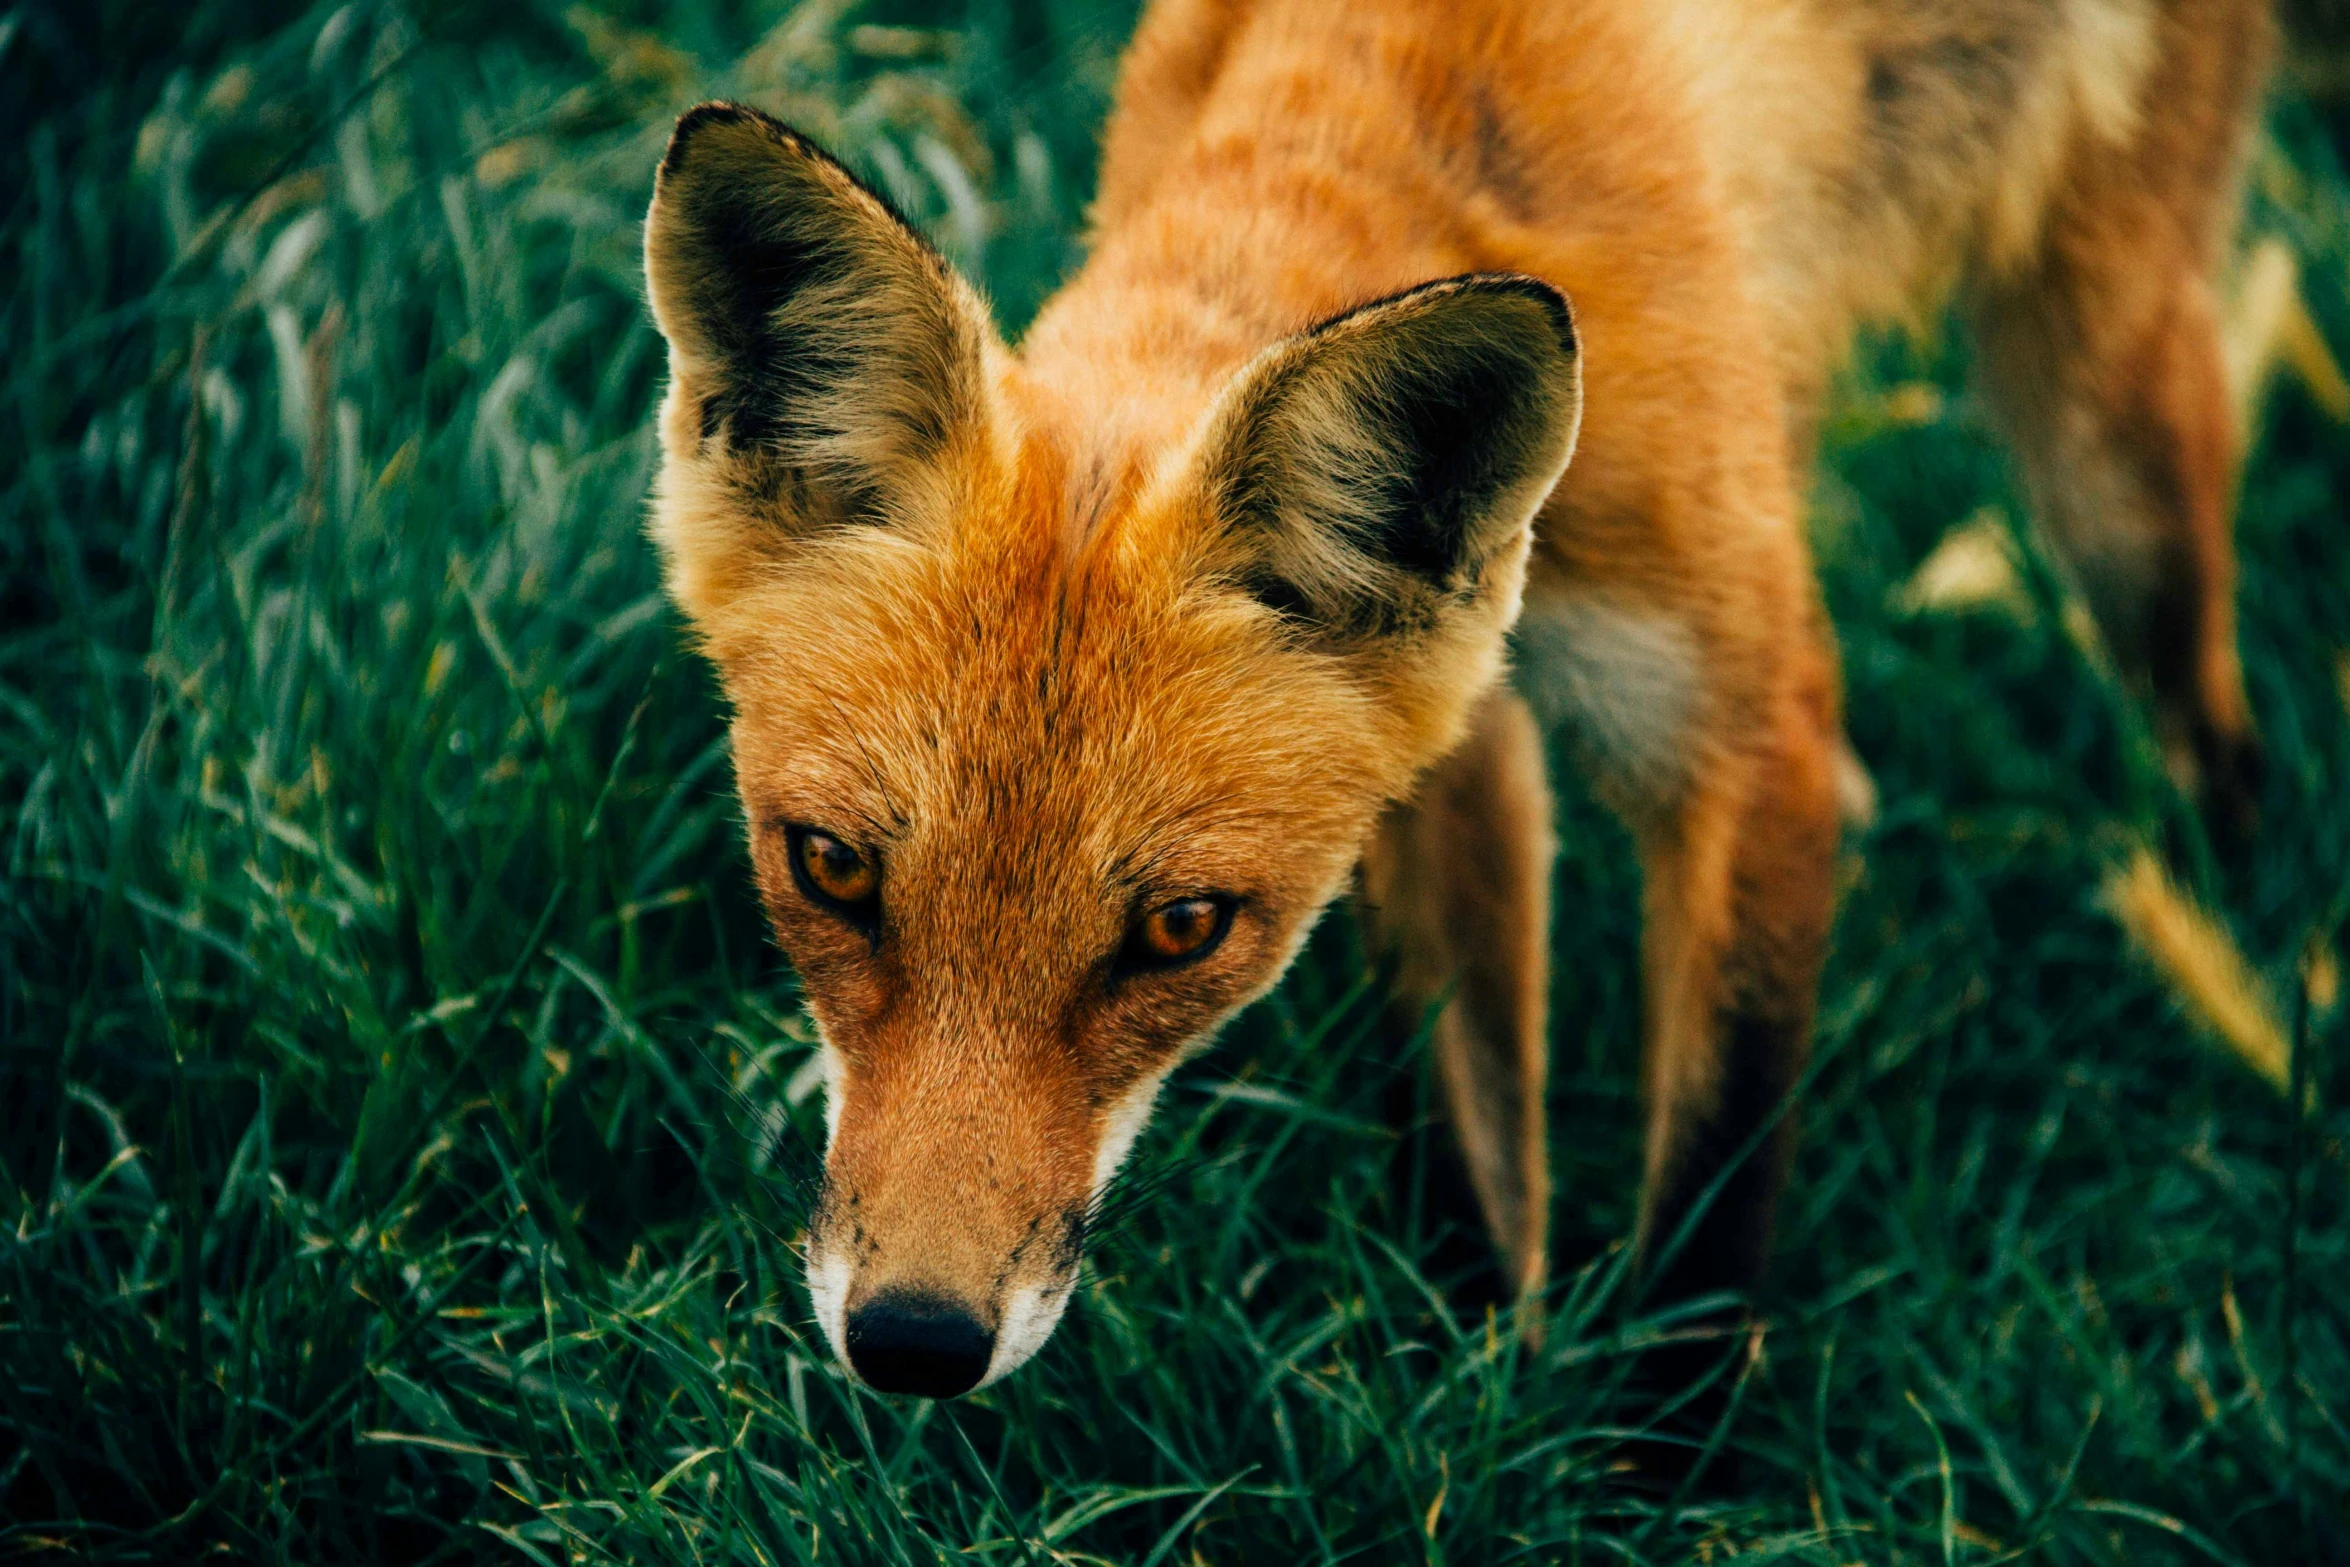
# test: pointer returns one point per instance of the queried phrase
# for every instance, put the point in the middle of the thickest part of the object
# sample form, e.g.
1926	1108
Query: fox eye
834	876
1183	931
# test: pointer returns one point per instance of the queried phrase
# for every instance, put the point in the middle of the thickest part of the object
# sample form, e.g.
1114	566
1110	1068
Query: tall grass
407	1124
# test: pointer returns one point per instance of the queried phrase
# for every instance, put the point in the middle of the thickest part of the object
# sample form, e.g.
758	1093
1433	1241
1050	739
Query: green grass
406	1120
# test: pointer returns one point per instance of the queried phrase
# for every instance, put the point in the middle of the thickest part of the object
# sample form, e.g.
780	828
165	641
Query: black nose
906	1342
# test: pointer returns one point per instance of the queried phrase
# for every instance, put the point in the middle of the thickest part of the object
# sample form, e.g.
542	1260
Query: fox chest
1620	682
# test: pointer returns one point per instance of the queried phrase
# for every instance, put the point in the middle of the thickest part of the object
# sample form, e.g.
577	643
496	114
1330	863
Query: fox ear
1380	473
821	355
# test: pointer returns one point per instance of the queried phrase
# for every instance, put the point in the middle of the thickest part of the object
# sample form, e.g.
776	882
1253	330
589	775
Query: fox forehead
988	684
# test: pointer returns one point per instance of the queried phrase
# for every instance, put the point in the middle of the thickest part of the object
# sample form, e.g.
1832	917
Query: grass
406	1122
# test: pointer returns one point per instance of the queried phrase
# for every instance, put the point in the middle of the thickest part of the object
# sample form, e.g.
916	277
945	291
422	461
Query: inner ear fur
1370	473
820	352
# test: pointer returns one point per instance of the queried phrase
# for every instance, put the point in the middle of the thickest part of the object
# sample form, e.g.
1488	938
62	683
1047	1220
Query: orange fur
1206	592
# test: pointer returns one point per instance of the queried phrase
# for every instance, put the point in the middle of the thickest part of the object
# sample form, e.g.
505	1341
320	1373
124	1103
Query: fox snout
910	1341
918	1331
947	1240
934	1315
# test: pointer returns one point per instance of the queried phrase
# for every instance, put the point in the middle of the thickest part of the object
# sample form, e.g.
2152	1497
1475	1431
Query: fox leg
2101	357
1714	731
1739	893
2128	453
1457	883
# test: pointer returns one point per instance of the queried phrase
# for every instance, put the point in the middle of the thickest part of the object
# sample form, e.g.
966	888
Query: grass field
406	1121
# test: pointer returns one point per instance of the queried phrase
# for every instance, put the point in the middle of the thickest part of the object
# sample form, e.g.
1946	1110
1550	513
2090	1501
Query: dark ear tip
703	117
1556	311
1553	301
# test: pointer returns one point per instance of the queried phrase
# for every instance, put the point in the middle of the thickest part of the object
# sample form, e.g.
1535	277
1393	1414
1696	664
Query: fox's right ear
824	362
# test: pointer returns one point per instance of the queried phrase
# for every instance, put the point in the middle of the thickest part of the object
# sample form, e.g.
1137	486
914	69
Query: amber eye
833	875
1177	932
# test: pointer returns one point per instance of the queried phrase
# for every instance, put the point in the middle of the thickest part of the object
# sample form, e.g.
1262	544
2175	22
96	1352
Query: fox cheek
829	1274
1029	1317
834	1081
1122	1123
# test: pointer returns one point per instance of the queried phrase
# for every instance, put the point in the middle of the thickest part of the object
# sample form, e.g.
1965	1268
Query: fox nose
903	1341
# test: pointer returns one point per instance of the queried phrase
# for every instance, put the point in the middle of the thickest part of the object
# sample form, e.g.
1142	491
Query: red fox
1070	684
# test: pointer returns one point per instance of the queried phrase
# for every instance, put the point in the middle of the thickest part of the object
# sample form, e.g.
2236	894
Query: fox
1070	684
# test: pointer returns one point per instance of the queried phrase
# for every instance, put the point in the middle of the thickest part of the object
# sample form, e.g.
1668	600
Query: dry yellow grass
2322	974
2206	971
2267	326
1972	568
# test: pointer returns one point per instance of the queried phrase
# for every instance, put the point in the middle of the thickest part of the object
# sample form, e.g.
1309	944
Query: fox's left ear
825	364
1376	478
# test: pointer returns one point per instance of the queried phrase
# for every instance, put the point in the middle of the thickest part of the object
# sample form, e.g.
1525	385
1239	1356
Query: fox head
1045	778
